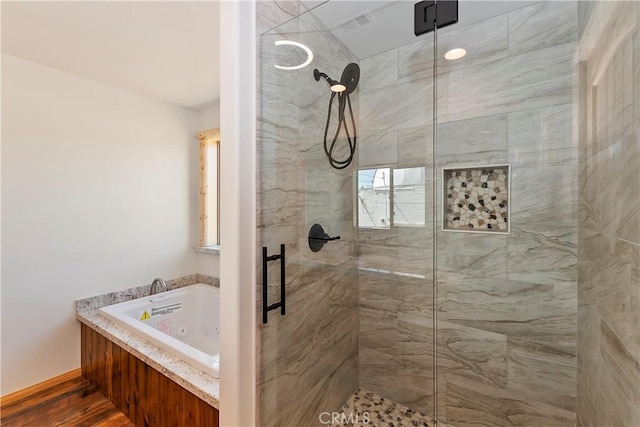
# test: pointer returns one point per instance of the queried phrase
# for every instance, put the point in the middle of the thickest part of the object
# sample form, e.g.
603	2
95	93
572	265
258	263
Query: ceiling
368	27
168	50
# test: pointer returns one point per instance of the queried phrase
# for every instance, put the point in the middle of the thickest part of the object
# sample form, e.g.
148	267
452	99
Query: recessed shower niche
476	199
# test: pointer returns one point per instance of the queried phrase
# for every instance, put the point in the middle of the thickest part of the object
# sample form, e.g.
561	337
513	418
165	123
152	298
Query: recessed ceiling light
454	54
301	46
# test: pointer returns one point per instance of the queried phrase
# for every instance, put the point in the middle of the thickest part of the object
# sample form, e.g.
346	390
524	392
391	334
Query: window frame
206	138
392	214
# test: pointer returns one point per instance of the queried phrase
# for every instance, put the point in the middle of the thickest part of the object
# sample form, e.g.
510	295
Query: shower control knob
318	238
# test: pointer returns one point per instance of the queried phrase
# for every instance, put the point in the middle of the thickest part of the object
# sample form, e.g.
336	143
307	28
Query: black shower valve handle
318	238
326	238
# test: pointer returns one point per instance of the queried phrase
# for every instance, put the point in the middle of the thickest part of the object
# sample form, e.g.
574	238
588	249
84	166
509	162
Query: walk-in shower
488	267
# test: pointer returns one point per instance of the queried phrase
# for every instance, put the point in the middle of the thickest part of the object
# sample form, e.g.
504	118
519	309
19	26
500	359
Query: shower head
333	85
348	82
350	77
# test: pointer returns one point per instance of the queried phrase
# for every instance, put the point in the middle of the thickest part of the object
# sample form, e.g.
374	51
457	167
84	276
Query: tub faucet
158	285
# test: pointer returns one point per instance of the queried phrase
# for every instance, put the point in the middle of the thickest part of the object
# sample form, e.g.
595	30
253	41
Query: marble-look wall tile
543	253
470	403
378	330
584	10
416	295
478	136
542	373
377	349
609	377
419	237
412	365
272	13
624	371
415	341
379	71
609	220
542	137
415	61
381	111
541	25
471	353
378	236
400	260
535	79
610	191
544	314
484	41
544	194
608	277
415	146
611	151
402	106
377	148
477	255
378	291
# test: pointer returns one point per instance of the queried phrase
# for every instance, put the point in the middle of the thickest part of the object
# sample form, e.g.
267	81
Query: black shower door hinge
429	15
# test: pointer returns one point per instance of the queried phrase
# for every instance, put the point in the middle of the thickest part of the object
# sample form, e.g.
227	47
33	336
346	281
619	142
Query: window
209	186
389	197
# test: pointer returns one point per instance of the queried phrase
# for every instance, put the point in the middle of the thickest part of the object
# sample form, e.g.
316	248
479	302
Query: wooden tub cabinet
147	397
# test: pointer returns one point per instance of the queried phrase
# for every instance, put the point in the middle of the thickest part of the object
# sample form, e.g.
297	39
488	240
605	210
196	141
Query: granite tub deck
192	379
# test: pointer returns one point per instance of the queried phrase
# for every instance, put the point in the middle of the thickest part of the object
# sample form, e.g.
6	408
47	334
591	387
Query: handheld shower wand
347	84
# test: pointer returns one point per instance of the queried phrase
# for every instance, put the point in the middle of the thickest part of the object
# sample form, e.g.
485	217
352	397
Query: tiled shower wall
309	357
507	304
609	222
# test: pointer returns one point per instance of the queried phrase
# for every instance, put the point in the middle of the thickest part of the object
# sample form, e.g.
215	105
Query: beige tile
472	353
379	70
608	280
474	136
536	79
476	404
542	373
473	255
539	313
542	25
542	253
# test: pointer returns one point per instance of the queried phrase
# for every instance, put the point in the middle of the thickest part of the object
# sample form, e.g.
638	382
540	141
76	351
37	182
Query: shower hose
343	101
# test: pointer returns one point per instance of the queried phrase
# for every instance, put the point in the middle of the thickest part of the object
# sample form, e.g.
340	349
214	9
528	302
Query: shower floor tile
367	409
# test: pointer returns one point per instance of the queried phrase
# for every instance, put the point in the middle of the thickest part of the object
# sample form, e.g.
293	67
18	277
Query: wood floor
72	403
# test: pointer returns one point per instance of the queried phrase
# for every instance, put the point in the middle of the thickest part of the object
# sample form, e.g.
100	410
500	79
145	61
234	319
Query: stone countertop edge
111	298
192	379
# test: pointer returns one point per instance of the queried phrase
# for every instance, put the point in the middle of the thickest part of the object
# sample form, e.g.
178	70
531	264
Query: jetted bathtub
184	322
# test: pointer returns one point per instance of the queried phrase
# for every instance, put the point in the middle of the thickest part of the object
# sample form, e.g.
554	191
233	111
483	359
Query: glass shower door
309	355
506	160
357	328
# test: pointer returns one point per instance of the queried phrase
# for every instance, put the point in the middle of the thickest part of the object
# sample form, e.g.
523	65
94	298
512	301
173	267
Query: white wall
238	214
96	196
209	118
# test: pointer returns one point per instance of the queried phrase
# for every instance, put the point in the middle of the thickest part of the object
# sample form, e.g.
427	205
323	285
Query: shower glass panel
506	245
359	311
469	165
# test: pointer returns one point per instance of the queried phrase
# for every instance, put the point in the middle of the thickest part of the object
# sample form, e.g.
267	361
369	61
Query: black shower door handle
266	308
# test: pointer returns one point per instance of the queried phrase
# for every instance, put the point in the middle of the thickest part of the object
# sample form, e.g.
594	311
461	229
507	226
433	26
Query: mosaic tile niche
477	199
